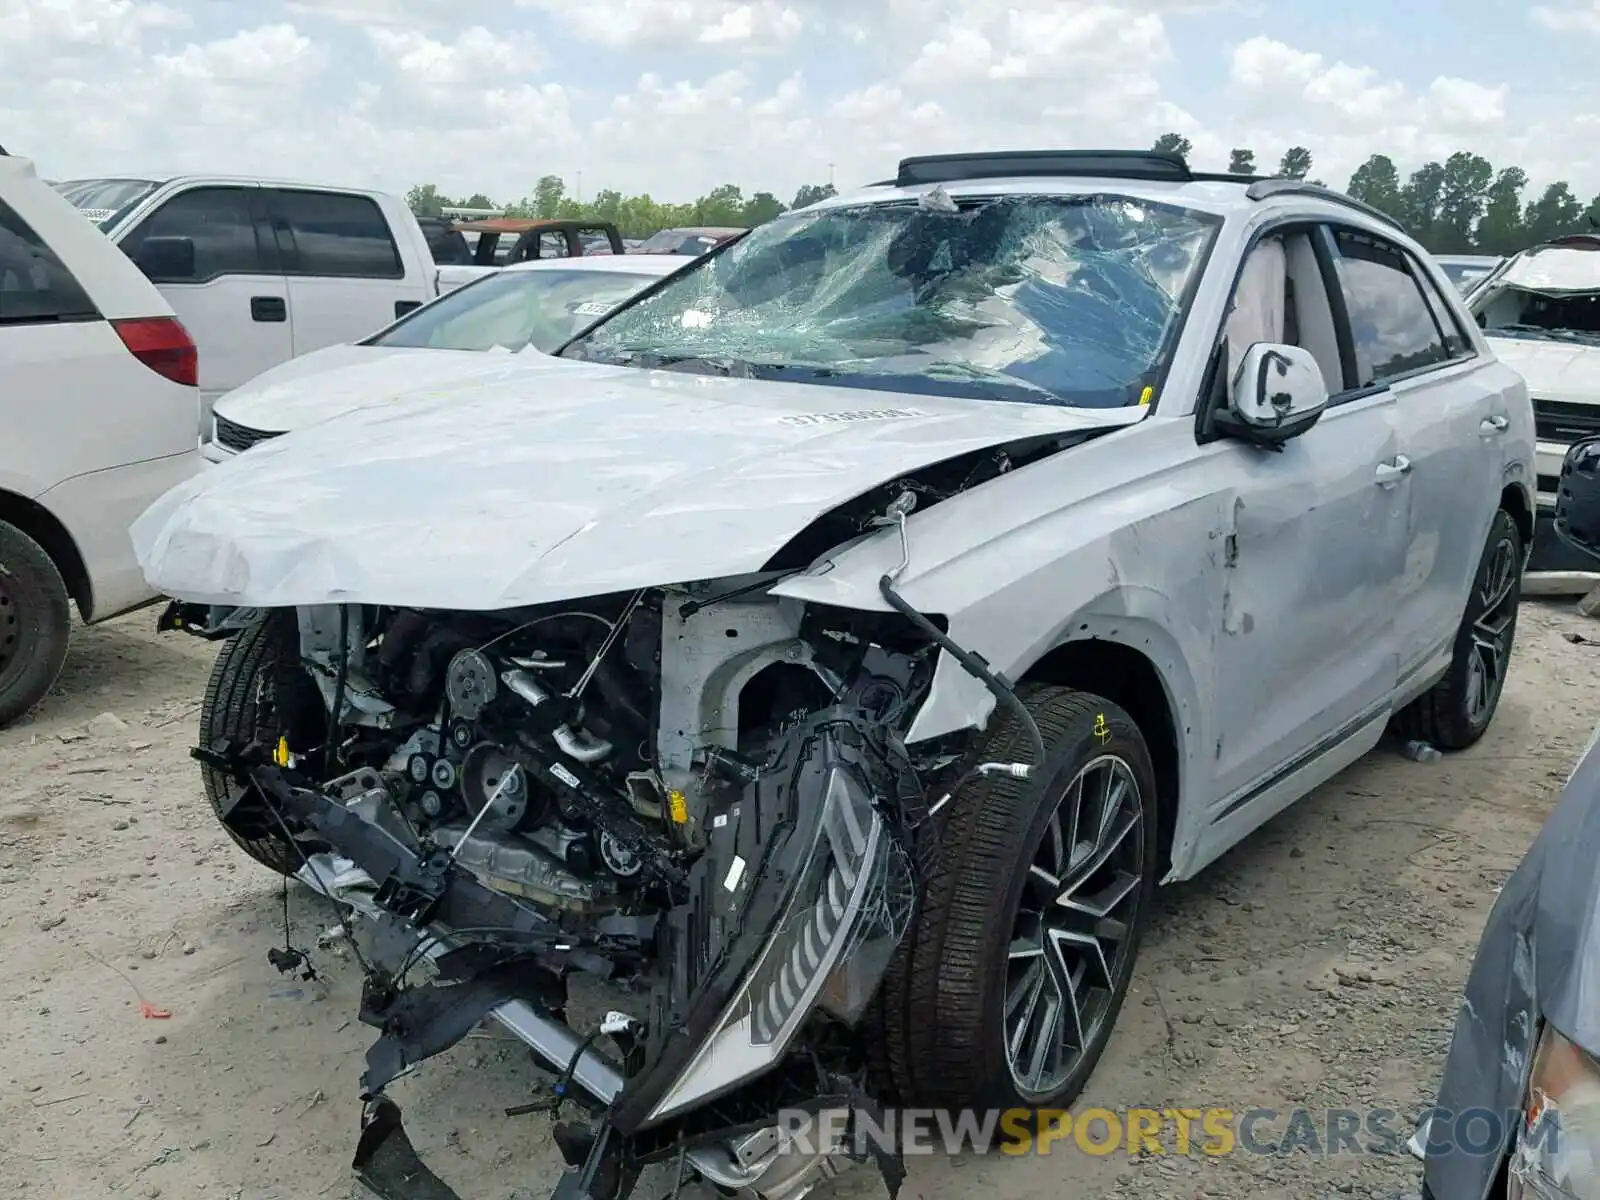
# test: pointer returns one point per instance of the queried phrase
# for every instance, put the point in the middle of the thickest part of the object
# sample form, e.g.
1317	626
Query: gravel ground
1316	966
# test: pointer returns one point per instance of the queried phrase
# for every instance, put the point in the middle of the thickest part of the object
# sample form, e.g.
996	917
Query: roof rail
1264	188
1001	164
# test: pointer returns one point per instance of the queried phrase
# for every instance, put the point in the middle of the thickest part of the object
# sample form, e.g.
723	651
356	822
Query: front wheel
1005	992
259	692
1456	711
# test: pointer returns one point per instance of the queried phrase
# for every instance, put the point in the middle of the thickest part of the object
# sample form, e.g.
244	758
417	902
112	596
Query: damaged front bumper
212	622
787	920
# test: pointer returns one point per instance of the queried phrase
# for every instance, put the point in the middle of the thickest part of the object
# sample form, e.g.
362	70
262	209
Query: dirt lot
1315	966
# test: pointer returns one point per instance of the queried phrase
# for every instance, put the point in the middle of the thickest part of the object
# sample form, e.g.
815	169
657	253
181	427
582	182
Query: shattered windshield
1515	313
1045	299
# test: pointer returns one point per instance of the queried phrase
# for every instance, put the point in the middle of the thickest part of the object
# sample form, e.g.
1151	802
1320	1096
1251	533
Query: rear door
1452	417
347	277
236	304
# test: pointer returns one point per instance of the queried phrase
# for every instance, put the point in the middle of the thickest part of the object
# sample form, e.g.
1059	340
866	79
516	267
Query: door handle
269	308
1392	472
1495	424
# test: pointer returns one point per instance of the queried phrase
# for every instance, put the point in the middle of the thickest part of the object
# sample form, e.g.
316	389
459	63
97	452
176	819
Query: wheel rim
1070	943
1491	632
10	625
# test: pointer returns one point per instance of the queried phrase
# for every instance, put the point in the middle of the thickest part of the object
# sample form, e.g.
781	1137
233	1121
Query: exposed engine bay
699	791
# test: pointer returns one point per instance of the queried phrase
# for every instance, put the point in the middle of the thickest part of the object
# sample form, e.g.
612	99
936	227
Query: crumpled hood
1553	370
350	376
1539	960
547	485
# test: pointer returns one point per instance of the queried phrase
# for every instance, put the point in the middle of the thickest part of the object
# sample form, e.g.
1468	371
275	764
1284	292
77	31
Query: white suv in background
1541	314
98	401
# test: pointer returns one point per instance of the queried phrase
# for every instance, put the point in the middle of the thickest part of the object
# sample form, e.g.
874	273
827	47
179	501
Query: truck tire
255	670
1456	711
35	623
1024	924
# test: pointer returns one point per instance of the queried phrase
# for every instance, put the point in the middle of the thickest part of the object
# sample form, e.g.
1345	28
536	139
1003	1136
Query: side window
218	222
1259	310
1455	341
338	235
35	285
1281	296
1393	328
552	244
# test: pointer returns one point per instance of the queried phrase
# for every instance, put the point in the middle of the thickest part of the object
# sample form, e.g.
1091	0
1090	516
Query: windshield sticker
840	418
592	308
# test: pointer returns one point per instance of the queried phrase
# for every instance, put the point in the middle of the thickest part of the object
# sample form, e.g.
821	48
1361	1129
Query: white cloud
56	25
271	56
432	15
477	57
761	25
1460	105
1049	43
676	96
1345	113
1269	72
1570	20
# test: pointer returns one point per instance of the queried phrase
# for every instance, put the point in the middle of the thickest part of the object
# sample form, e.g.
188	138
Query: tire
255	669
939	1017
35	623
1457	710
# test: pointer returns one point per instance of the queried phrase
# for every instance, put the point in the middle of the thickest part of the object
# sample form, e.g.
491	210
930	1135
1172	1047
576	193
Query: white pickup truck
261	271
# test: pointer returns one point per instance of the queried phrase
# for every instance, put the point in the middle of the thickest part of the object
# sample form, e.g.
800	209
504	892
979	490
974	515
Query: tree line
634	216
1460	206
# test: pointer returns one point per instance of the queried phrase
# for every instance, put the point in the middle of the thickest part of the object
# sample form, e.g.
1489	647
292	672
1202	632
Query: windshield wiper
695	364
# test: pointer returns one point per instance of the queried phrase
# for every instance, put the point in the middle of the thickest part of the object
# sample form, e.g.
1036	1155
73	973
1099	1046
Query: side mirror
1277	394
1578	497
166	259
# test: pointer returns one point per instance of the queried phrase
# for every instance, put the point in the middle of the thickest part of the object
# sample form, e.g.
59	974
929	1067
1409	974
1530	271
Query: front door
1314	552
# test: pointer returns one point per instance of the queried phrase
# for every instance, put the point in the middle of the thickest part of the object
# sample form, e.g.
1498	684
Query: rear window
337	234
35	286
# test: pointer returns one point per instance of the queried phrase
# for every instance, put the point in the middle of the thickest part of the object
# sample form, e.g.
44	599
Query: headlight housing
1557	1156
847	910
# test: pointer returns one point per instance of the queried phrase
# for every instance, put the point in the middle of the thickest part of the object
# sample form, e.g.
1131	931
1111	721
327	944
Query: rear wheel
258	691
1457	710
35	623
1005	992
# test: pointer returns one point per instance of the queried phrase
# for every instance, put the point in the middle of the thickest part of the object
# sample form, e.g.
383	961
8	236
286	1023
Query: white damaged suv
1541	313
909	589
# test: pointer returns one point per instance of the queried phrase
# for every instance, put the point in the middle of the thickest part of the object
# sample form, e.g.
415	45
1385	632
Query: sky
674	97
